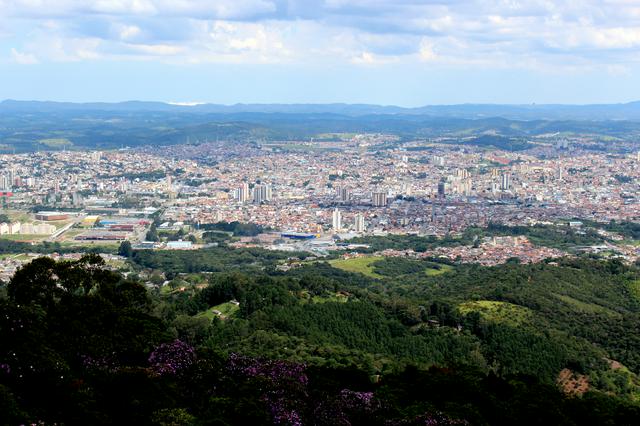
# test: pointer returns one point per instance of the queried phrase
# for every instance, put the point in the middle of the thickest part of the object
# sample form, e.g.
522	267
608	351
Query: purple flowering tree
347	408
172	358
284	385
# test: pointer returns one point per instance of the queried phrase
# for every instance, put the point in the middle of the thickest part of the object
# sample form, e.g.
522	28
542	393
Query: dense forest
415	342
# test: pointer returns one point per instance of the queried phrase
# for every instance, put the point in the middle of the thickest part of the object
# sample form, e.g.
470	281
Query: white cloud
23	58
218	9
155	49
527	33
127	32
426	52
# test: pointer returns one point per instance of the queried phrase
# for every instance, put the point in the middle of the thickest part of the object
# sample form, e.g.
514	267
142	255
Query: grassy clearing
443	269
335	297
105	245
56	142
18	215
503	312
226	310
166	289
634	289
72	233
23	237
23	257
581	306
361	265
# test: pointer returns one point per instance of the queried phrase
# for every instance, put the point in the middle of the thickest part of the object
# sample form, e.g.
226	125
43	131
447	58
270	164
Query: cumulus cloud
526	33
23	58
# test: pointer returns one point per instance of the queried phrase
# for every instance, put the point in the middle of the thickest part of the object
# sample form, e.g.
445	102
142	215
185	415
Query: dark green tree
125	249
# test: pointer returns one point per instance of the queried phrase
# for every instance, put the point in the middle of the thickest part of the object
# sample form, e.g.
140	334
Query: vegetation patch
634	289
361	265
586	307
23	237
330	297
223	310
502	312
441	269
56	142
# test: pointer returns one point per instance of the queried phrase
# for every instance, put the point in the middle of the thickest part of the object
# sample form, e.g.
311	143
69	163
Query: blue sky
402	52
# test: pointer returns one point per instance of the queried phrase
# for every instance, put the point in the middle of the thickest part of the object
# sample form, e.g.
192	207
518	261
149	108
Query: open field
503	312
91	244
18	215
362	265
586	307
23	237
226	309
335	297
443	269
56	142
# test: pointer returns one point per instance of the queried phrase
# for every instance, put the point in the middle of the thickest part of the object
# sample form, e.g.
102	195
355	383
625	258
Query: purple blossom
429	419
275	371
347	408
284	383
172	358
363	401
5	368
105	363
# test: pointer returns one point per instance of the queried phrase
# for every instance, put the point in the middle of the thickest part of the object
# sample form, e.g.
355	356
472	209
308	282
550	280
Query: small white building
179	245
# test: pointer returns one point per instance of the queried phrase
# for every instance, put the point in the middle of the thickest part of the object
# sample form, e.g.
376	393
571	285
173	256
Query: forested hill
399	342
26	127
622	111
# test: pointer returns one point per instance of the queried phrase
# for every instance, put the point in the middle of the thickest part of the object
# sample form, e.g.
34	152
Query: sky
391	52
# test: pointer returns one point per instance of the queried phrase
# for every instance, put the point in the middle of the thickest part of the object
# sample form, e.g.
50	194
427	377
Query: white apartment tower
337	220
358	223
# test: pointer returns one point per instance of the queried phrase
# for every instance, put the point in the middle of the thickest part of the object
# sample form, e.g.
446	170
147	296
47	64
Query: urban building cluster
360	185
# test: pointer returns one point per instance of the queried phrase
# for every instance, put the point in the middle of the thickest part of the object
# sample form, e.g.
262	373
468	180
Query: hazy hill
626	111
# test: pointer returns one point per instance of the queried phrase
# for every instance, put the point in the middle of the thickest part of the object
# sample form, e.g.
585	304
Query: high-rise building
505	183
77	199
379	199
337	220
437	160
464	187
441	189
358	223
242	194
5	182
462	173
344	194
262	193
405	189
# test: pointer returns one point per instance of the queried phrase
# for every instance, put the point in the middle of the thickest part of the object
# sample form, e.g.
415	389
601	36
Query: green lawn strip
226	310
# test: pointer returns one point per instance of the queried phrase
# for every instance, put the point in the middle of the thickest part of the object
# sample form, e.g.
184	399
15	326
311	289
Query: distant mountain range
596	112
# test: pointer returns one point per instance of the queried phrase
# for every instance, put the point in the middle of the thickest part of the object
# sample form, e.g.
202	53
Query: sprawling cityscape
320	213
317	196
